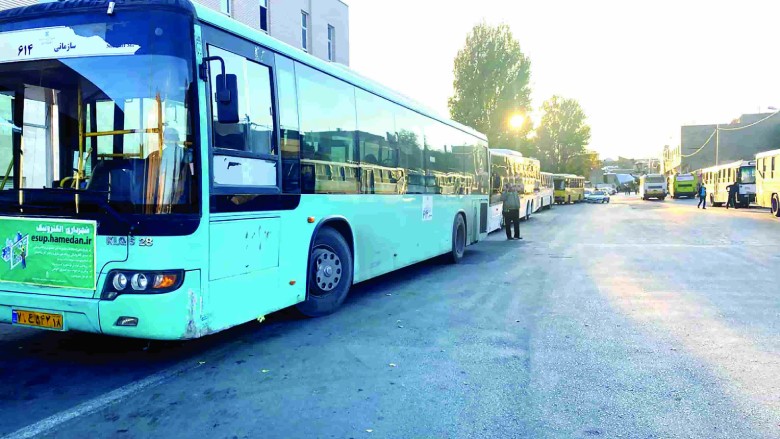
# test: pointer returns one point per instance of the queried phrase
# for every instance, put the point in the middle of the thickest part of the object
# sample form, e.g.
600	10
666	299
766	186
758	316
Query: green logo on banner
55	253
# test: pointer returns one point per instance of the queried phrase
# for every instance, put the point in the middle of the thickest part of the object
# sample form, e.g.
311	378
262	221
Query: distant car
588	193
600	197
608	188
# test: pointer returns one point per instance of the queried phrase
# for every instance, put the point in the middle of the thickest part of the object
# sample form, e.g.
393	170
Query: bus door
245	172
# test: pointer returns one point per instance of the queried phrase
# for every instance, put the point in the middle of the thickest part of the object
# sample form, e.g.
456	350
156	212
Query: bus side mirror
225	88
227	98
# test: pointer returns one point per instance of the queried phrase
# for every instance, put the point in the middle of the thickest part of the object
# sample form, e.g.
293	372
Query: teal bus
170	173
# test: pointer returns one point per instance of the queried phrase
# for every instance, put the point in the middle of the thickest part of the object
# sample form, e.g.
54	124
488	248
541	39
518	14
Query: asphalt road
634	319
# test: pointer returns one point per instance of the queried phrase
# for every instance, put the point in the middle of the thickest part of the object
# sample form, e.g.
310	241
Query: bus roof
41	10
500	151
222	21
737	164
761	155
339	71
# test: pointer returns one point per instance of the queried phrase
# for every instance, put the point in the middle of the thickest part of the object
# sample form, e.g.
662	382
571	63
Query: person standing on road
733	191
702	197
511	200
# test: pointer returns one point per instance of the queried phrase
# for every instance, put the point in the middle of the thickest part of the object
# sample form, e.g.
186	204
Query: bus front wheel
330	274
776	205
458	240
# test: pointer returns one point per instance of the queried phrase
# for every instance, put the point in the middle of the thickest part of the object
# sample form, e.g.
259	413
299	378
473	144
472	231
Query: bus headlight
119	281
141	282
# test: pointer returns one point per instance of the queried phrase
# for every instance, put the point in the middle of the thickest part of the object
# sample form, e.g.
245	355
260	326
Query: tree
491	84
562	136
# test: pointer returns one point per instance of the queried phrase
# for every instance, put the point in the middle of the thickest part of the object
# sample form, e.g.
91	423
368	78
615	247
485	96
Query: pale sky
639	70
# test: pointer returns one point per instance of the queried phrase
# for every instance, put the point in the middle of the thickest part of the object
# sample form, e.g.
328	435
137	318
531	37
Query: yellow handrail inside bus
7	173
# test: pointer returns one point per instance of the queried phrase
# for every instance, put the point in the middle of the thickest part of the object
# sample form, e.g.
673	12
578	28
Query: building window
331	43
304	31
224	6
264	15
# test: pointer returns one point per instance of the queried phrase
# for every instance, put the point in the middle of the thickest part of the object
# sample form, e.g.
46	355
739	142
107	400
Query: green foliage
562	137
491	84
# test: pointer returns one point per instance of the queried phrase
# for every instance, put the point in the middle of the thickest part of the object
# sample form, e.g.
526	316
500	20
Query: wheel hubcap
328	274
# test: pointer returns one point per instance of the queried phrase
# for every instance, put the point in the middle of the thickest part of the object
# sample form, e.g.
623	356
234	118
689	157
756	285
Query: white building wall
284	21
285	25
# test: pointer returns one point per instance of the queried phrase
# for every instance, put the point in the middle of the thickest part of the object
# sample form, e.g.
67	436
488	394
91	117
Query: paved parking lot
631	319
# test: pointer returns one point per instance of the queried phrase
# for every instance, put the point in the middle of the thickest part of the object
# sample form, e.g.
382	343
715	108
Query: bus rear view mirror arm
226	91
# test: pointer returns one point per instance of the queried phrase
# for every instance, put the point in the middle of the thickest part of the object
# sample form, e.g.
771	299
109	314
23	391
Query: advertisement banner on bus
46	252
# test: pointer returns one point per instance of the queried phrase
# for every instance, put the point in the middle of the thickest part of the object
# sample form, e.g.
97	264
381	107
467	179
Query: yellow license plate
37	319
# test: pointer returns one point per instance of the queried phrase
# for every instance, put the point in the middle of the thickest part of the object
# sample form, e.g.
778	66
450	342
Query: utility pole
717	142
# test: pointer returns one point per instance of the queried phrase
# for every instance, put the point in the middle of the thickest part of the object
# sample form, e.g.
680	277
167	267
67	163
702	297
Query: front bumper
168	316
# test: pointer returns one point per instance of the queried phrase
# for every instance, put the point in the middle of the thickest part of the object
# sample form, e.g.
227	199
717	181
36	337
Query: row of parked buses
758	181
540	189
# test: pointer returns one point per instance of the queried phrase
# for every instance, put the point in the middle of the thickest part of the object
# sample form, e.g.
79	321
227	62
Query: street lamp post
717	142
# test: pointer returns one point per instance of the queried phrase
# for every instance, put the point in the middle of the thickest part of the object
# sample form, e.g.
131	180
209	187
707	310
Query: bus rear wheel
528	207
776	205
458	240
330	274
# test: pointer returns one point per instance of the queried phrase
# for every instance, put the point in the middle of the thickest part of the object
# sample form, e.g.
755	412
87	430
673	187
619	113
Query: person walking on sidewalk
702	197
511	200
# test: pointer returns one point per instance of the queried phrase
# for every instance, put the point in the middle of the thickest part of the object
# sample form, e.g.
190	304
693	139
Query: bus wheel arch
776	205
330	268
459	234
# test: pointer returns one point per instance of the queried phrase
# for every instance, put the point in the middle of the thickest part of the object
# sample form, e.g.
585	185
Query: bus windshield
747	175
560	184
655	179
116	125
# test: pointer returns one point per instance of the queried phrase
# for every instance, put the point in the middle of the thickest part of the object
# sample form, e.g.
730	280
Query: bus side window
328	124
289	125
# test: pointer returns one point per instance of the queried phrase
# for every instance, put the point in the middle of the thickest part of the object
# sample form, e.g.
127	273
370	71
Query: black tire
329	276
776	205
458	240
569	202
528	211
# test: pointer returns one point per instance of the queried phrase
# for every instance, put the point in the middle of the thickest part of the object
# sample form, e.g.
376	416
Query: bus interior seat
122	177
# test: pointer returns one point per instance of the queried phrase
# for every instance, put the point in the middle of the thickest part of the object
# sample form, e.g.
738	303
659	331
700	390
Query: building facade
735	141
319	27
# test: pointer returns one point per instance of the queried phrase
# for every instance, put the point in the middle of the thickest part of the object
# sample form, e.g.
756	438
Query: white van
652	186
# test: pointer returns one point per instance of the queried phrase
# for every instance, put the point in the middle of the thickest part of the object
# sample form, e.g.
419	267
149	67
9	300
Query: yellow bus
717	178
568	188
768	180
682	185
546	194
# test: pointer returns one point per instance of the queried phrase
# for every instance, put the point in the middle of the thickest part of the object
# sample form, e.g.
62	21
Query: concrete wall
733	145
10	4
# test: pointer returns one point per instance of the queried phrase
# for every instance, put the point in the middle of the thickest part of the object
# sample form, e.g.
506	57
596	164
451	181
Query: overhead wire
718	128
685	156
